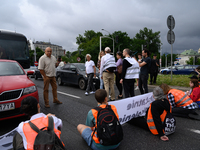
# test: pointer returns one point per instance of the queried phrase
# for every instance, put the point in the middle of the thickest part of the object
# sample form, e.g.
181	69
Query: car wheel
35	77
164	72
82	84
60	81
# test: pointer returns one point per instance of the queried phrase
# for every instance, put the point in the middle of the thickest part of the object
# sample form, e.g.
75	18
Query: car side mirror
30	72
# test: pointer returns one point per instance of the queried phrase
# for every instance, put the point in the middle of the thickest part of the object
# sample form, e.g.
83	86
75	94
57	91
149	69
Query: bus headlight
29	90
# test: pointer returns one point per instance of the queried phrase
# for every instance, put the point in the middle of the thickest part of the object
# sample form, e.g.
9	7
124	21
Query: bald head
48	51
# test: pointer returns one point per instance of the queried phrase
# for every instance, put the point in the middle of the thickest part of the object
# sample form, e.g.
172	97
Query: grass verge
177	80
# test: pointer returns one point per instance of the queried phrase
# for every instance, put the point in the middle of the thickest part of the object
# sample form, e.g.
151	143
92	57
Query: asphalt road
74	111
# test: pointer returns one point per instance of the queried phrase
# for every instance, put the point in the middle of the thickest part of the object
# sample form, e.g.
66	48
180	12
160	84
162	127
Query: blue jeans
86	134
101	83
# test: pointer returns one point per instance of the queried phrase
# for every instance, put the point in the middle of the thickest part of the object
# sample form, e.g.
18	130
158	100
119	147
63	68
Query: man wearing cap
154	69
108	66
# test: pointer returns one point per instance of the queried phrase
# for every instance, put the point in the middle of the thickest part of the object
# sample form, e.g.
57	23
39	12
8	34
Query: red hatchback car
14	87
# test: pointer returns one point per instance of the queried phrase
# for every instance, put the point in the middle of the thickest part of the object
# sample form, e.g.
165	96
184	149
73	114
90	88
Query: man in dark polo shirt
145	66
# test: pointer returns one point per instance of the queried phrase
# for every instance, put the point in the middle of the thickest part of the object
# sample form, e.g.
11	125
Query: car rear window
10	68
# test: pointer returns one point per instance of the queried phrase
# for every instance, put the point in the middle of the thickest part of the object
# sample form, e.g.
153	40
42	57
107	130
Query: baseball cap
107	49
193	77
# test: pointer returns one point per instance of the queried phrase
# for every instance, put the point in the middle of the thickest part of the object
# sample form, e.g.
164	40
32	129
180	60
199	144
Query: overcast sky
61	21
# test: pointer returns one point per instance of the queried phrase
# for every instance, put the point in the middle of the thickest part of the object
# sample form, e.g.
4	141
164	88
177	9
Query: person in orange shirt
182	105
195	93
25	135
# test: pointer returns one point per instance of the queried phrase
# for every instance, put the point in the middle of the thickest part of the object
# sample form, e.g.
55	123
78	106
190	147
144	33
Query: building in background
186	55
56	49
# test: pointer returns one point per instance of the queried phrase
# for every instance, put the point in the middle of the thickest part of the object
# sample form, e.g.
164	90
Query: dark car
181	69
74	73
37	74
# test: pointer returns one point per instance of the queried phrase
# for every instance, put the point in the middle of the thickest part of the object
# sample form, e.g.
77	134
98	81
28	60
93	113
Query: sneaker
92	92
86	93
136	88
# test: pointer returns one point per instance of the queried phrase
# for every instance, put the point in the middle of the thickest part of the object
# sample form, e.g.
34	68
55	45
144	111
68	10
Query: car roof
7	60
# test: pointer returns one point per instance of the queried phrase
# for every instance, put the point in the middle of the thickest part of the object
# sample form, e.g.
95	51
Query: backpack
46	139
169	124
109	129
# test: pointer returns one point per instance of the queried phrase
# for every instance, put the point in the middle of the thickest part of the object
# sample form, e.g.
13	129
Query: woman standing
118	74
90	72
101	54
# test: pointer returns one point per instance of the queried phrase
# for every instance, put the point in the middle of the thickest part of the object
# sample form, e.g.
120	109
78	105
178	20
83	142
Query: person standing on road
182	105
25	136
47	66
108	66
118	74
154	69
101	54
90	72
130	72
145	66
139	61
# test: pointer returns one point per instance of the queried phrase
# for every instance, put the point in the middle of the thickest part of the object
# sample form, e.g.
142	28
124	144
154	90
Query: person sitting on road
25	136
182	105
87	130
90	72
155	115
195	93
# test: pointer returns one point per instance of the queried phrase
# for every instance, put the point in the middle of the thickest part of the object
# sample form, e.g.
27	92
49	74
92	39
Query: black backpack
46	139
109	129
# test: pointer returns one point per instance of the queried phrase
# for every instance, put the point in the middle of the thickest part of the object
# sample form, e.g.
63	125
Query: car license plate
7	106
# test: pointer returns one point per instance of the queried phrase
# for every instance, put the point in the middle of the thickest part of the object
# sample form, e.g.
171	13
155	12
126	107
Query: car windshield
81	67
10	69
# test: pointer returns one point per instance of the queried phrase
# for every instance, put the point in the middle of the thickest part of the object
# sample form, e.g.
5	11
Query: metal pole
166	61
171	59
100	44
113	47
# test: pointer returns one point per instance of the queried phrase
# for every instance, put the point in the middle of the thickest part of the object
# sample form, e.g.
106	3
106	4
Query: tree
191	61
149	38
39	53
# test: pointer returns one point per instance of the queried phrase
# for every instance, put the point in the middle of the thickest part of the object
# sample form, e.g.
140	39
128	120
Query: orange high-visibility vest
95	113
30	134
150	121
181	99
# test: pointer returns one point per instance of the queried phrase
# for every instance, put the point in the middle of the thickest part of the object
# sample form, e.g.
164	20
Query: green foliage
149	38
191	61
89	43
174	56
39	53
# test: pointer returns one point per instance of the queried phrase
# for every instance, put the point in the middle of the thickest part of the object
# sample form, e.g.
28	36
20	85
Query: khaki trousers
108	80
52	81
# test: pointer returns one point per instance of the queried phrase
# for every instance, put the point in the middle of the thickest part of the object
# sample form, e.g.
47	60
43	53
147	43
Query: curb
174	87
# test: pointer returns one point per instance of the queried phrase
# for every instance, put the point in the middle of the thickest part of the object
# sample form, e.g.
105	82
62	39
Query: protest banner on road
6	140
133	107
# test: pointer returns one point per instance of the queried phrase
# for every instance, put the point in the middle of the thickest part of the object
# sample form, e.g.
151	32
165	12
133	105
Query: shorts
86	134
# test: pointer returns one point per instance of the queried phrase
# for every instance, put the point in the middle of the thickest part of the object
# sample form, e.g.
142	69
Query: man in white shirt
25	134
90	72
108	66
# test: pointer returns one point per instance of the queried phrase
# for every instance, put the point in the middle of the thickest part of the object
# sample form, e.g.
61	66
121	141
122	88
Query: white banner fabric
132	107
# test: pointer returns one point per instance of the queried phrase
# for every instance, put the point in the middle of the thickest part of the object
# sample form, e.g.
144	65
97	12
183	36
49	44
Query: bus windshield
14	50
14	46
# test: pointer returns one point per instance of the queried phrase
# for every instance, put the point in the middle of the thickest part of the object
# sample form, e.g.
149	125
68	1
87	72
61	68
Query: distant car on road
74	73
37	74
14	87
181	69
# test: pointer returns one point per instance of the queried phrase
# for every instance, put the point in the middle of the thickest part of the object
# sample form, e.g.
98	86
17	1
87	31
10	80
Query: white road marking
195	131
68	94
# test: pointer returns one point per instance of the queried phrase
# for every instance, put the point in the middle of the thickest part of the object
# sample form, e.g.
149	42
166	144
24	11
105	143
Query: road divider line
68	95
195	131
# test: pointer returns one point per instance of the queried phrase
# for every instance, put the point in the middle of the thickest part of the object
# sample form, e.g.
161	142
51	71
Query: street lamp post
110	38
